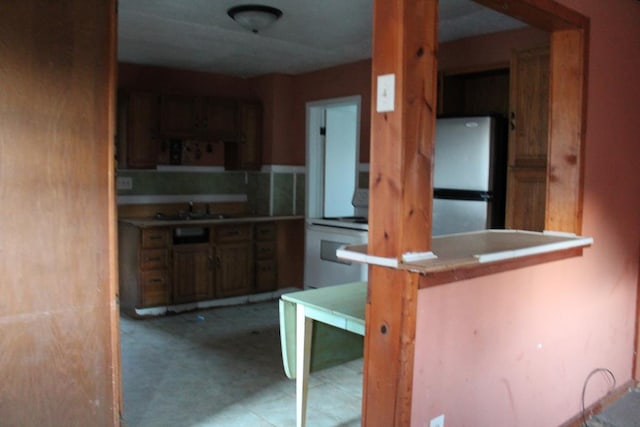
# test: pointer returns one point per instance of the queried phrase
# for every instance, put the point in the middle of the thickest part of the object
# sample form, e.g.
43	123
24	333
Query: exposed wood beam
405	45
547	15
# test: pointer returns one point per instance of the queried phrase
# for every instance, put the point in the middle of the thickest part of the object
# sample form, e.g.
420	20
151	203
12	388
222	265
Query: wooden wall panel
58	316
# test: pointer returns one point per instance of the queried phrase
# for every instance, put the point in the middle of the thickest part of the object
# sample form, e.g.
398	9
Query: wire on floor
584	389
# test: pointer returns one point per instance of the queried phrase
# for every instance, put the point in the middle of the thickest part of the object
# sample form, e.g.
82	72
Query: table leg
303	357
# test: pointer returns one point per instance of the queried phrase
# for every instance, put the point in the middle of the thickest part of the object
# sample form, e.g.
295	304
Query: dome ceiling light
254	17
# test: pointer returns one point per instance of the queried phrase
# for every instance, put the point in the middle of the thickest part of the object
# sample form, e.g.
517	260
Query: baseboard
601	404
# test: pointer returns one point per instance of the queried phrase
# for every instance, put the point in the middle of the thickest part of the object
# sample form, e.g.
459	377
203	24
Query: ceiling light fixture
254	17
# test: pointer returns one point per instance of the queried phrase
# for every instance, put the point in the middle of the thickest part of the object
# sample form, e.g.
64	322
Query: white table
341	306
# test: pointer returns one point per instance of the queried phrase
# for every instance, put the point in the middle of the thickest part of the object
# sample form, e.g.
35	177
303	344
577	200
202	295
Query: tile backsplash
278	190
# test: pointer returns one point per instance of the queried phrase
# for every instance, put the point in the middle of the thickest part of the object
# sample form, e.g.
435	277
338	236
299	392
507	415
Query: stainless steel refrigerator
469	174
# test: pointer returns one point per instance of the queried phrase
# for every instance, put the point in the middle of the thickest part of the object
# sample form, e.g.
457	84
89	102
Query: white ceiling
310	35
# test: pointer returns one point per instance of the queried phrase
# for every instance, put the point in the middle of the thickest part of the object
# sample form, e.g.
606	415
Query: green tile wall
164	183
256	185
283	193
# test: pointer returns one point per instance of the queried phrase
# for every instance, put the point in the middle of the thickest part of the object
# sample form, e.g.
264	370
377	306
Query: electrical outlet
437	421
124	183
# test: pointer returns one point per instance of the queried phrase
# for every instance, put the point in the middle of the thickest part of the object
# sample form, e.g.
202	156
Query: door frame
314	187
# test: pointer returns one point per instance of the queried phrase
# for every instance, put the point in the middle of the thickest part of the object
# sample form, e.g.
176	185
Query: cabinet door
526	198
246	152
192	273
218	119
529	105
528	140
234	271
266	275
154	288
178	115
142	127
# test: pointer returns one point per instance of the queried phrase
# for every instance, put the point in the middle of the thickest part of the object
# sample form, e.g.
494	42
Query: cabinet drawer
265	231
155	238
154	288
265	250
233	233
154	259
266	275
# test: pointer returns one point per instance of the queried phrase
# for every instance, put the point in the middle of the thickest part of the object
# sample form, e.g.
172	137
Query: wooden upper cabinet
246	152
218	118
528	140
195	117
178	115
529	107
142	130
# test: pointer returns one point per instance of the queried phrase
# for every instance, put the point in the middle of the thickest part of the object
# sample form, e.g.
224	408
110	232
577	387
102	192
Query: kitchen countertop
153	222
458	256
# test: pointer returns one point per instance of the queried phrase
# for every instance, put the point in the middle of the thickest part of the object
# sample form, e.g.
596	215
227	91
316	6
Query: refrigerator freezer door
463	153
458	216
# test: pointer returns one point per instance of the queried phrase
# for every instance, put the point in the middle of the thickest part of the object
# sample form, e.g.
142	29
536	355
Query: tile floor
222	367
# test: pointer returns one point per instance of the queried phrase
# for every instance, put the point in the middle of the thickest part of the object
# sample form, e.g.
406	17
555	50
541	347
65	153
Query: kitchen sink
187	216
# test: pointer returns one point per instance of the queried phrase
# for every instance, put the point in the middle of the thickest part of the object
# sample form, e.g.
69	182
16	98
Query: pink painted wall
336	82
514	349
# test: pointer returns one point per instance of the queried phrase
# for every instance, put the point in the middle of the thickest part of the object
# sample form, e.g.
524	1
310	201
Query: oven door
321	265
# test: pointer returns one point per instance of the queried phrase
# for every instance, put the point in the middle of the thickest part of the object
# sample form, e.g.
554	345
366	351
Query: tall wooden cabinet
528	139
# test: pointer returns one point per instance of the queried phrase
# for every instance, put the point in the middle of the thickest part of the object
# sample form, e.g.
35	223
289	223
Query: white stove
323	236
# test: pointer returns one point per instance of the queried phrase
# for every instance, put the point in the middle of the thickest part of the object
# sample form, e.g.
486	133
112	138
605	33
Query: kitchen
58	270
279	188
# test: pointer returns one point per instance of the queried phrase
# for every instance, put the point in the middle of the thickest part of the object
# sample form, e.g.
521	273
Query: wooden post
405	42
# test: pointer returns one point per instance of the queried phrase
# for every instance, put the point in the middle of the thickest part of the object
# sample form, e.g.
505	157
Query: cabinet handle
155	281
152	259
155	237
513	120
218	262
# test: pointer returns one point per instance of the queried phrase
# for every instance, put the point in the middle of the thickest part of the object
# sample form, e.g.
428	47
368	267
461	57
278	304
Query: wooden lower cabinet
155	288
192	273
234	260
238	259
233	269
266	266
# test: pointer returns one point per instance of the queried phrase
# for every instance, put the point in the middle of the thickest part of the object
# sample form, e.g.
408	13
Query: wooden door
528	140
59	359
192	273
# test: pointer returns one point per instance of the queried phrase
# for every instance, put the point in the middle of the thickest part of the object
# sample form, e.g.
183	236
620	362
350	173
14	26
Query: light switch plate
386	93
